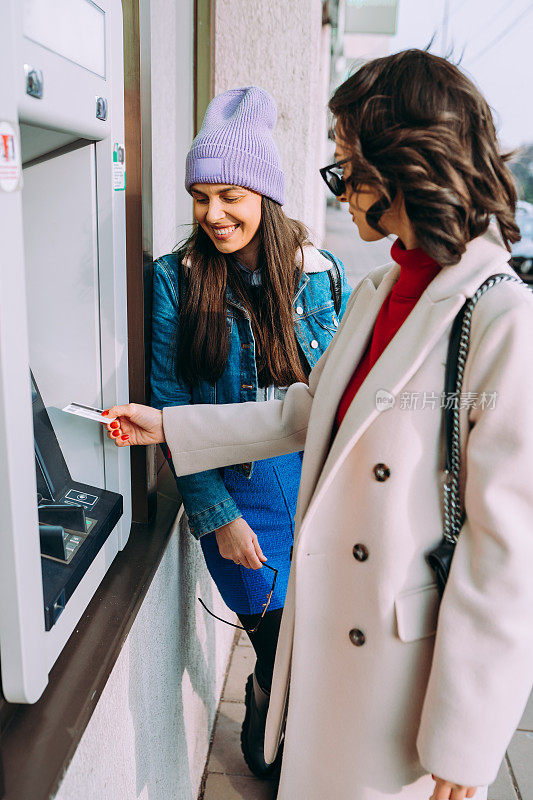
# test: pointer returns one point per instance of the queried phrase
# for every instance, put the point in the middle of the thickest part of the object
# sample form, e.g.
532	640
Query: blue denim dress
264	493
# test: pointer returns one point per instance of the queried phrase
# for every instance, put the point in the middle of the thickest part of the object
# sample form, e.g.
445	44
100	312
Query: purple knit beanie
235	144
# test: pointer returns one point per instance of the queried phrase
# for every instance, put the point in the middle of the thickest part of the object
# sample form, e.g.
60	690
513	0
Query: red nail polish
126	436
115	433
115	424
105	413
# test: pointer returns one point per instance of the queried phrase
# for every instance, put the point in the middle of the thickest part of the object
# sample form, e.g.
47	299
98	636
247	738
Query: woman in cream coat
382	694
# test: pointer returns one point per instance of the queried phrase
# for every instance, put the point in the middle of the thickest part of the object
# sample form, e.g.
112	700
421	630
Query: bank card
88	412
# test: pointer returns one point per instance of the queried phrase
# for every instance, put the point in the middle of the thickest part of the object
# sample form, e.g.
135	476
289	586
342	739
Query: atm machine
65	504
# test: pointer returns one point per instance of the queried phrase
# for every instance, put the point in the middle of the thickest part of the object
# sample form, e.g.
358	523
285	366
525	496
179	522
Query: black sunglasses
265	606
334	181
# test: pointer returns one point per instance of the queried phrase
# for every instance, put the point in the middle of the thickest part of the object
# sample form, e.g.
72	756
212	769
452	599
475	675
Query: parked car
522	251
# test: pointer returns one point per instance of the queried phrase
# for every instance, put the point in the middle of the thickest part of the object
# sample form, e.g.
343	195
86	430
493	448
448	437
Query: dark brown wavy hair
203	331
416	124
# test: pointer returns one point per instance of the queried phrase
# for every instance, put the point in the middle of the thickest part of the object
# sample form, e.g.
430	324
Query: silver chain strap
453	510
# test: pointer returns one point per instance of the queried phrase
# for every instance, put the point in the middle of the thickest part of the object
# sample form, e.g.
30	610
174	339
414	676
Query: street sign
371	16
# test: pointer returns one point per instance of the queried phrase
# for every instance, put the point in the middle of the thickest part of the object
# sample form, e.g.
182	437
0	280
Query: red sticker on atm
10	170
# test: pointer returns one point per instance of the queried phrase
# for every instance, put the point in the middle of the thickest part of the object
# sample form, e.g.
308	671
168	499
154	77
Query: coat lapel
345	353
427	323
395	367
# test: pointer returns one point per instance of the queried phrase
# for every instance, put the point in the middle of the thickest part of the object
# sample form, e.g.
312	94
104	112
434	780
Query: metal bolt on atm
65	505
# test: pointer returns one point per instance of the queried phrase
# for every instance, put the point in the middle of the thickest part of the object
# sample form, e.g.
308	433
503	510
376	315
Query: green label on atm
119	167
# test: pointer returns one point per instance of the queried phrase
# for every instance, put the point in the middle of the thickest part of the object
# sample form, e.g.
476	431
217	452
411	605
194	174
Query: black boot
253	730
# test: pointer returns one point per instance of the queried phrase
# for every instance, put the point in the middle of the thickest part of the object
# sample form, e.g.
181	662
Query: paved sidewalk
343	239
227	776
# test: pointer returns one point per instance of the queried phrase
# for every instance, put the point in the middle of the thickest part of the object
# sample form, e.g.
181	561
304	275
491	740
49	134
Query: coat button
336	322
382	472
314	344
357	637
360	552
299	310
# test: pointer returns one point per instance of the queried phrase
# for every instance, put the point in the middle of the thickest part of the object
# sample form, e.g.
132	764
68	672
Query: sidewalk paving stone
521	757
226	755
242	664
526	723
236	787
244	640
502	788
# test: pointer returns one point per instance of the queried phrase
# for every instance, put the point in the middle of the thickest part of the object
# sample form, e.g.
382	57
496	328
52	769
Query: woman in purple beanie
244	309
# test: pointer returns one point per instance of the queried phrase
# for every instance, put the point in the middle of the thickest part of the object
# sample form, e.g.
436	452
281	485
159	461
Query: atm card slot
66	515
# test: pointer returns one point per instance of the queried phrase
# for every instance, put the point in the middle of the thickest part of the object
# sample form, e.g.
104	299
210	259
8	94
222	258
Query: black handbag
440	558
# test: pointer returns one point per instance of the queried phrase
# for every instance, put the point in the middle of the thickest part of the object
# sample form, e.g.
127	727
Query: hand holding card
135	424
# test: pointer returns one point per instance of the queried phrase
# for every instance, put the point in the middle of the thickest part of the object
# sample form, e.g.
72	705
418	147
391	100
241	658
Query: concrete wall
168	129
149	734
278	45
282	47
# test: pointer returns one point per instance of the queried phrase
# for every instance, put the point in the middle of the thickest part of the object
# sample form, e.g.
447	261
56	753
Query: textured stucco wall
171	85
148	736
281	46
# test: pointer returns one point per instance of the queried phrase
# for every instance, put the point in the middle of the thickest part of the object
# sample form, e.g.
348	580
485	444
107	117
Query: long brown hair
202	332
416	124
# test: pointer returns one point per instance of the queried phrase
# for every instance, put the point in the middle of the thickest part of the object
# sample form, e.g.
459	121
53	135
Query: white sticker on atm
88	412
10	168
75	497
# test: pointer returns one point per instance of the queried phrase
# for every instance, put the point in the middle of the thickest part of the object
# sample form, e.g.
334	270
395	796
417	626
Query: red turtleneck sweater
417	270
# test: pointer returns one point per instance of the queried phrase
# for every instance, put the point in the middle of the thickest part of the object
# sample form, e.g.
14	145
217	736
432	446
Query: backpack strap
182	282
335	281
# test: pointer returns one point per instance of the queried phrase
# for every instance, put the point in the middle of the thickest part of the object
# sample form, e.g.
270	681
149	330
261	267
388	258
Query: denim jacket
207	502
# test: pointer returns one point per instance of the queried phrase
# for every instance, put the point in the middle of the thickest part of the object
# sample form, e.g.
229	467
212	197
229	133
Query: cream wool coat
369	722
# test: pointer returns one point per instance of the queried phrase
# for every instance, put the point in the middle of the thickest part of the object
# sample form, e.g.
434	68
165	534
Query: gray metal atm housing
62	300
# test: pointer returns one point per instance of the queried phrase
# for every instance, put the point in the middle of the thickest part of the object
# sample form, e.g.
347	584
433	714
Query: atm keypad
73	540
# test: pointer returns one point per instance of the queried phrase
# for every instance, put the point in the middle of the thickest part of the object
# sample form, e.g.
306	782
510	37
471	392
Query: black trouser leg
257	695
264	642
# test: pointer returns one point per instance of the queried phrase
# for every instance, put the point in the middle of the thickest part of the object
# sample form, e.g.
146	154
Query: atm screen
75	518
51	468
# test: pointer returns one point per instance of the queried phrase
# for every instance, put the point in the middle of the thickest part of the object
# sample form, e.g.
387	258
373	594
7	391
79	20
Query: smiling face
230	215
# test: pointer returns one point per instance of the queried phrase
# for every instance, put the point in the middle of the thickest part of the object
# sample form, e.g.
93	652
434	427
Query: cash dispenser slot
75	518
